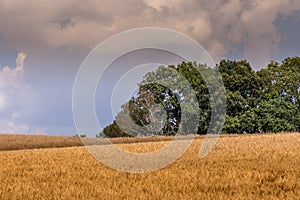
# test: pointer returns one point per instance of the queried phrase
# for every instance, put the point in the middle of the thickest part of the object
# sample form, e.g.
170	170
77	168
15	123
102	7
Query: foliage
112	130
257	102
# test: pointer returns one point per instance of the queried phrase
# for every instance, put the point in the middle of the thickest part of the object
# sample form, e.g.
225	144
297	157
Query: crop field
239	167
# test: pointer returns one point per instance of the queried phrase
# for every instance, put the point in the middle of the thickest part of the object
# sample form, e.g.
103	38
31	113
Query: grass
239	167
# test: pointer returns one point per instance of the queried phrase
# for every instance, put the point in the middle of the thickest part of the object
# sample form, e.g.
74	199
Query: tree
112	130
142	116
283	79
277	115
264	101
243	88
239	77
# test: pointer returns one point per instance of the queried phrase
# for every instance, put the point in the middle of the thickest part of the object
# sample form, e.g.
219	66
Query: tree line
261	101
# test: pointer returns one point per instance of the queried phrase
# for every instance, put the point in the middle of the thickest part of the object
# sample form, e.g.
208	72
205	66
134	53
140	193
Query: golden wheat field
239	167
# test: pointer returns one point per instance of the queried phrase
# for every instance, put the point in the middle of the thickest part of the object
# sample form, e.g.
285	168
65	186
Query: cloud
15	99
218	25
2	102
159	4
261	38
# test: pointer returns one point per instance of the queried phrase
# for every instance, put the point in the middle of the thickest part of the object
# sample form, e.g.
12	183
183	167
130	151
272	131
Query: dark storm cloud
218	25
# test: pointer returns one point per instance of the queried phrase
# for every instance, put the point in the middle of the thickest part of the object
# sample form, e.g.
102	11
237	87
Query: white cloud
10	81
20	62
2	102
159	4
15	97
8	126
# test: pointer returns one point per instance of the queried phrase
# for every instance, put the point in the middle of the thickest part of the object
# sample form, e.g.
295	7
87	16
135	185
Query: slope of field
18	142
242	167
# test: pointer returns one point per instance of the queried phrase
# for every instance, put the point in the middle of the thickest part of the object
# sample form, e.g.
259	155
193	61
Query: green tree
264	101
282	80
243	89
112	131
277	115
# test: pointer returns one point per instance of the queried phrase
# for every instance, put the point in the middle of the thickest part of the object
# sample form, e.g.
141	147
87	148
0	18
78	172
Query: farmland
239	167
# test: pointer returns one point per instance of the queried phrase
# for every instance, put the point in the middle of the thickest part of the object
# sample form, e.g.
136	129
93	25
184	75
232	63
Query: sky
43	43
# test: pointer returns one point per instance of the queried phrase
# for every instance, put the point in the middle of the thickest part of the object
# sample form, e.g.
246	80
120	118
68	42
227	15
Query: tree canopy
257	101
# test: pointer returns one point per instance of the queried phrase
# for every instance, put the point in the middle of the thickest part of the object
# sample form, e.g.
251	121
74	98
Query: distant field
16	142
239	167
